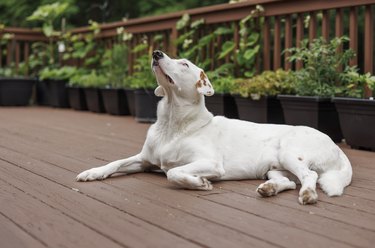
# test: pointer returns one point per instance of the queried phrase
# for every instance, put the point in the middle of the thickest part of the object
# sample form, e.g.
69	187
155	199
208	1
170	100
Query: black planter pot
265	110
222	104
77	99
42	93
145	105
357	119
15	91
317	112
58	93
115	102
131	101
94	100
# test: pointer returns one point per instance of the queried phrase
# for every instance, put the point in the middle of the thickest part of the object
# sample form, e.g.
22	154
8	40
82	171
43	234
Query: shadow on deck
42	150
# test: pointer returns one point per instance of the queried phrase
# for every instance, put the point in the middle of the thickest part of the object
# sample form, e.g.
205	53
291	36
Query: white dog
192	147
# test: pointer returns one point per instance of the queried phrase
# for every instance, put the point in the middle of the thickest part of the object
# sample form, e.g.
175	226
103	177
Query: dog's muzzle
156	55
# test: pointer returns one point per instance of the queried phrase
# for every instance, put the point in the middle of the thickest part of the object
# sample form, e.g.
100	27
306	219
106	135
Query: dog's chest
169	153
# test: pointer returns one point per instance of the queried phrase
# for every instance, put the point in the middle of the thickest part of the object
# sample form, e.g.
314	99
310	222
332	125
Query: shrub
320	75
89	80
269	83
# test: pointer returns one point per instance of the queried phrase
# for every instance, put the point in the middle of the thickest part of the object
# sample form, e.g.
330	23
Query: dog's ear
159	91
204	85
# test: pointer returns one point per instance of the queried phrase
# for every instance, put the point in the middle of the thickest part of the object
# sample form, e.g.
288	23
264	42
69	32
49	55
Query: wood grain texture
42	149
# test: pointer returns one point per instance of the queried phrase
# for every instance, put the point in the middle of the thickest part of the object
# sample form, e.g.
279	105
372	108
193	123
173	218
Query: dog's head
179	76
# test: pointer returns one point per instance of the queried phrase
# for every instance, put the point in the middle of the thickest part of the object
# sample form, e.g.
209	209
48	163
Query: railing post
172	44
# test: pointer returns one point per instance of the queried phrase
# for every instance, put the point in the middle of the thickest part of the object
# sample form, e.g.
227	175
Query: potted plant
76	94
222	102
56	80
85	53
91	84
315	86
144	83
357	114
48	14
15	86
256	97
115	64
15	89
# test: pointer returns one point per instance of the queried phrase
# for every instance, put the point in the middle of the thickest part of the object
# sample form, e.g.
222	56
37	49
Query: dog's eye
185	64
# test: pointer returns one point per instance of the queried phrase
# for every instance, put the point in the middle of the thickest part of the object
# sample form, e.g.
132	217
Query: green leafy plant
89	80
62	73
142	77
83	47
269	83
353	83
222	79
245	54
48	14
115	61
320	75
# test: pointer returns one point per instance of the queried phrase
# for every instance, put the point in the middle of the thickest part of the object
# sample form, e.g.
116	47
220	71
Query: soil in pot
58	93
131	101
15	91
222	104
77	99
265	110
357	120
115	102
94	100
317	112
145	105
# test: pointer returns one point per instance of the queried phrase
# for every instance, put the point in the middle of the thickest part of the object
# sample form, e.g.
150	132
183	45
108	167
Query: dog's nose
156	55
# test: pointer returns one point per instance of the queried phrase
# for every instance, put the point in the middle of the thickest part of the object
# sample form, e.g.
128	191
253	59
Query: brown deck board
42	150
12	235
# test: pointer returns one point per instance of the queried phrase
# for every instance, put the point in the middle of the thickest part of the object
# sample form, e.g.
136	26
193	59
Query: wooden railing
286	23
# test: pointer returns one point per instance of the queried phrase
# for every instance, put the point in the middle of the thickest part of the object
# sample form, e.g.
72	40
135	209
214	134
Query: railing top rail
226	12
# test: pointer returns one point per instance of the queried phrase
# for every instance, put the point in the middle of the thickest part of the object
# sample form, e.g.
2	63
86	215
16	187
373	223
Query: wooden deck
41	205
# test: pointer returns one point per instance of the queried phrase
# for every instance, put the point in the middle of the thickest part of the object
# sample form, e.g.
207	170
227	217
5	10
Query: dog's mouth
167	77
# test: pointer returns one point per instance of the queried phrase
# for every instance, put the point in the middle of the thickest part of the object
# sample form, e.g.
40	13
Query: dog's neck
178	117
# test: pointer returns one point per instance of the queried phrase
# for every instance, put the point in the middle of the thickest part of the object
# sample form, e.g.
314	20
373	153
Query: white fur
193	148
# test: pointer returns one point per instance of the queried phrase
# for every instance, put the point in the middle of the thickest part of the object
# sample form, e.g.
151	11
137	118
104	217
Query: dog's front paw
92	174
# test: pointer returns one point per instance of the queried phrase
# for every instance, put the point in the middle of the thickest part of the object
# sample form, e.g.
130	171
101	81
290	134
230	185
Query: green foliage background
14	12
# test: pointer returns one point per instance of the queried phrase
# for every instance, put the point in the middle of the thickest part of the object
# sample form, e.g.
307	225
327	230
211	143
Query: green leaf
223	31
226	49
251	53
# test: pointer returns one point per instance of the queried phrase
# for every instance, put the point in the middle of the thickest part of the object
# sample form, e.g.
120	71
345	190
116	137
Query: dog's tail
334	181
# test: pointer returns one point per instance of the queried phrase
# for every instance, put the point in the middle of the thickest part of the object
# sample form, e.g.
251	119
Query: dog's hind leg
298	166
277	181
196	174
129	165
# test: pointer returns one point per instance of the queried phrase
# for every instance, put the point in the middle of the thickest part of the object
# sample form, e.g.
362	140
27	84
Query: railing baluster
277	45
236	39
299	37
18	53
369	45
339	29
325	25
266	45
26	53
312	26
288	41
353	34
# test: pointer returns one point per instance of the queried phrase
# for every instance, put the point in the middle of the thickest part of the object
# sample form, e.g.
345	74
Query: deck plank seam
103	202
